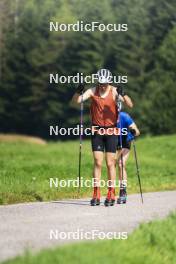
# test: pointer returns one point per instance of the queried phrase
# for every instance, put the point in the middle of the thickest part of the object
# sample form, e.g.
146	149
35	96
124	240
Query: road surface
29	226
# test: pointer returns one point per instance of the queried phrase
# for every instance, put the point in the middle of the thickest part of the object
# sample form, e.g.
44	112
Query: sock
109	193
96	193
123	186
112	193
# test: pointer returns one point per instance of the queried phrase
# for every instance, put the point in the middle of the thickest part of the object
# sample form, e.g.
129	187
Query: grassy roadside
26	168
154	242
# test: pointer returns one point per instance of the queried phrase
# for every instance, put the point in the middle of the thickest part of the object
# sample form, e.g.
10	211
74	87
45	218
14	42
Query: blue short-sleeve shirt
125	121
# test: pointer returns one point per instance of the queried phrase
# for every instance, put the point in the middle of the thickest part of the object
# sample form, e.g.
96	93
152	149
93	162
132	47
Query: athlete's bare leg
98	161
122	173
111	169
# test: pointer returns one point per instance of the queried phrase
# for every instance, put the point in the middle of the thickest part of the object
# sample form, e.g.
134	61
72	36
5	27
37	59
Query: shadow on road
84	203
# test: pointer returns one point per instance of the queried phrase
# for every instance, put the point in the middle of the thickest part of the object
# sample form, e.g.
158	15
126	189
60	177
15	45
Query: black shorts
125	144
107	143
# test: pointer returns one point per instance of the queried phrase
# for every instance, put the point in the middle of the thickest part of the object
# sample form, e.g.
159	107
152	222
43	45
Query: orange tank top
103	110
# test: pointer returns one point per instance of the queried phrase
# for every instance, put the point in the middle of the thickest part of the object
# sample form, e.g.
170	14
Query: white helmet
104	76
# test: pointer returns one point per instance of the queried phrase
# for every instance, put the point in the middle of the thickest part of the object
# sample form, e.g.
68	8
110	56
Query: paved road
28	226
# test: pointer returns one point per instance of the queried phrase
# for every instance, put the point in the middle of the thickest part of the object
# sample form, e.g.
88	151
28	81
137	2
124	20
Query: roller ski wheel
95	202
112	202
122	200
109	202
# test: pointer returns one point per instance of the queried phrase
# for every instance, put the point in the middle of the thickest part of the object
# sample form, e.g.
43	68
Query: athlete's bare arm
125	99
128	101
77	98
134	126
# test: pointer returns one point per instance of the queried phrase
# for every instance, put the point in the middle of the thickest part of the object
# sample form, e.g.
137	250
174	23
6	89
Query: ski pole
80	140
121	147
137	170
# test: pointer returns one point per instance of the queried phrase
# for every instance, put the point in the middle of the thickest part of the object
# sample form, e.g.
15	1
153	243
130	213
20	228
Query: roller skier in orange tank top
104	115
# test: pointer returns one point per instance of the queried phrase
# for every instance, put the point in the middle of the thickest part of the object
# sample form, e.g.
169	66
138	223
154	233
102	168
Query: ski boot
122	196
110	199
95	201
96	197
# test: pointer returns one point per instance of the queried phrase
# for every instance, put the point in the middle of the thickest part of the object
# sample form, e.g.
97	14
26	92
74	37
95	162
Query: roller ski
122	196
110	199
96	197
95	202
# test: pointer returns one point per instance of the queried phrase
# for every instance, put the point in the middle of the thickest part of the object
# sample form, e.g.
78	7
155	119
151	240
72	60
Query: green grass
26	168
154	242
